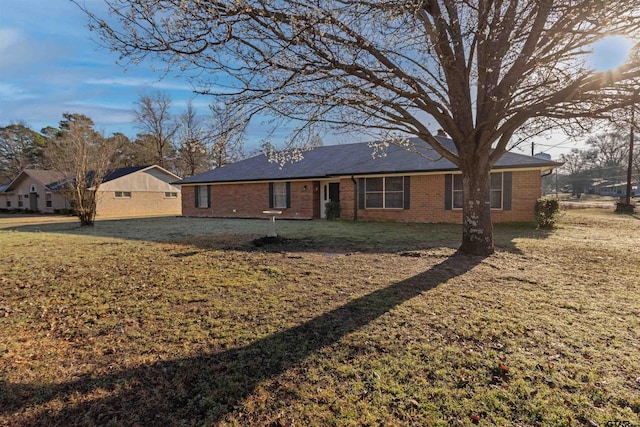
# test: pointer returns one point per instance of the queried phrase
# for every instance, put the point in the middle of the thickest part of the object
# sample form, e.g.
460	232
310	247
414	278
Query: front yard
183	321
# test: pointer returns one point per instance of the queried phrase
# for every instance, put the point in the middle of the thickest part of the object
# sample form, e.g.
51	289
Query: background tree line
185	144
605	160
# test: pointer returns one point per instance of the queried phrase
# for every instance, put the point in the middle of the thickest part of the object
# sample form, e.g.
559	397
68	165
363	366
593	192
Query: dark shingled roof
3	187
351	159
114	174
120	172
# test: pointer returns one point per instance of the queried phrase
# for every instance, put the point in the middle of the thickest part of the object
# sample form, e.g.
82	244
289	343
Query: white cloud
140	82
9	38
19	51
10	92
102	114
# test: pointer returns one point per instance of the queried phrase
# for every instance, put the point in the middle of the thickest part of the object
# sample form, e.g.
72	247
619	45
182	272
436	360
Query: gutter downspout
355	198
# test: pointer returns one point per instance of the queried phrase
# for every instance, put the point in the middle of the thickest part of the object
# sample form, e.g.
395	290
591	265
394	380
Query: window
279	195
47	198
170	194
202	196
457	192
123	194
495	192
384	193
8	203
20	204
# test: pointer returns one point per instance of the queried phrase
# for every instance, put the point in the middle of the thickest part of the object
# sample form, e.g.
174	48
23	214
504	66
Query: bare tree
154	119
612	152
84	158
482	70
578	165
191	144
227	133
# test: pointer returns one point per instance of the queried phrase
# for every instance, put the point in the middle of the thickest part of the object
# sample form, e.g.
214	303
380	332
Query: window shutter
361	193
288	194
208	196
506	191
407	192
271	195
448	191
196	191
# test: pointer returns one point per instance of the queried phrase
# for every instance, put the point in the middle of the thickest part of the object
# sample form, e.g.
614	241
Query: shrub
547	212
332	210
622	207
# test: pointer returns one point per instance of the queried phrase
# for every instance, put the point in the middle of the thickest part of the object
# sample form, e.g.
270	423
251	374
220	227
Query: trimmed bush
547	212
332	210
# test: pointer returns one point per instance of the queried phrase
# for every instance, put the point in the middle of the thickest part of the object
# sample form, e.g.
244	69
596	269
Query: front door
33	201
330	193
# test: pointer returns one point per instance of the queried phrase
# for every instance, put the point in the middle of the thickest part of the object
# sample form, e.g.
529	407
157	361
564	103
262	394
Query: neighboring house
31	190
618	189
3	197
139	190
400	186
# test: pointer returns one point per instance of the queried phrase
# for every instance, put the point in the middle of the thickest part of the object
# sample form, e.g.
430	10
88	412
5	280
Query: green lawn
183	321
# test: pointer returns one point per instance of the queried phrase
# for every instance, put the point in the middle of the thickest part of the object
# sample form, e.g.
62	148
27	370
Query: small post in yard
272	222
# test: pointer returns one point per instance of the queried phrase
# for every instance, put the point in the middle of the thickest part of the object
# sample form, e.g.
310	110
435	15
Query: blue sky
50	63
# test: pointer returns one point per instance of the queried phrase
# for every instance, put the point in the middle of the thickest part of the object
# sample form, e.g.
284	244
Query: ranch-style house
129	191
398	186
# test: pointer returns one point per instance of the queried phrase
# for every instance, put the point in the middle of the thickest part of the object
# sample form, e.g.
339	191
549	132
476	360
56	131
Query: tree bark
477	228
86	208
86	218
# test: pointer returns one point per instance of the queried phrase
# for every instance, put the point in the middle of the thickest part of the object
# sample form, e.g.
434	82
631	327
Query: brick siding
249	200
427	201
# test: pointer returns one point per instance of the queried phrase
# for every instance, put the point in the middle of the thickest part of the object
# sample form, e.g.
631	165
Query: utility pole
627	207
630	166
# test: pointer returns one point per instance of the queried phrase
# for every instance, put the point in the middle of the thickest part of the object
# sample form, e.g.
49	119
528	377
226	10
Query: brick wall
249	200
527	188
427	201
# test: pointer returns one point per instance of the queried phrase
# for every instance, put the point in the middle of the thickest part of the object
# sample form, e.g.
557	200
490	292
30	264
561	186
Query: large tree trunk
86	207
86	218
477	229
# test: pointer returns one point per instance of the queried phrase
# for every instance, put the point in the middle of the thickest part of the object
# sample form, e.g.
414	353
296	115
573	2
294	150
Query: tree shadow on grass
202	390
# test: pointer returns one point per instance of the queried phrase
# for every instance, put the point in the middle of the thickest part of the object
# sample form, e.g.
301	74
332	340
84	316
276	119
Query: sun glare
610	52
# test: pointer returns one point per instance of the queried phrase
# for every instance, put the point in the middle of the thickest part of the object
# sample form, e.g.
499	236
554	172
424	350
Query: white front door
328	189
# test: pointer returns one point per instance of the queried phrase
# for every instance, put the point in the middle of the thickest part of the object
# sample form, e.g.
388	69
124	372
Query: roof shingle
351	159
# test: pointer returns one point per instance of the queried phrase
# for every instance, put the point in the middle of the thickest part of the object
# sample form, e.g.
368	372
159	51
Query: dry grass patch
178	321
